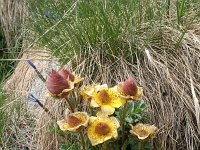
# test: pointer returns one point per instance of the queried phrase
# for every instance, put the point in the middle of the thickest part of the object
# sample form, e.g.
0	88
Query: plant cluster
107	106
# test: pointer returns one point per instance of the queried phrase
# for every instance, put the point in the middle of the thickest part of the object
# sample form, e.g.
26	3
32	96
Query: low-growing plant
115	117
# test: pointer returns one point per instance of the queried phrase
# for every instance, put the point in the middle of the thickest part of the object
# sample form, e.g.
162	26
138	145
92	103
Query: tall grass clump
118	28
12	14
114	27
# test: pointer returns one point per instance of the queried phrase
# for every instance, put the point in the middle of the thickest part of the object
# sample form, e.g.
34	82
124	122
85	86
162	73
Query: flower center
73	121
103	96
102	128
143	133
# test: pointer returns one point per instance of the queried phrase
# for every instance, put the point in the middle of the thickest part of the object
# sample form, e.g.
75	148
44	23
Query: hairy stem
69	103
140	145
75	97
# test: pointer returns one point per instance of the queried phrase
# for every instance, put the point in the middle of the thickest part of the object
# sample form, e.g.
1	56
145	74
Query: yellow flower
74	122
107	99
129	90
143	131
87	91
102	129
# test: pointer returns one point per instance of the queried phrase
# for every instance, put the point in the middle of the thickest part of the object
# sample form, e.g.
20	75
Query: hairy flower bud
56	83
130	87
67	74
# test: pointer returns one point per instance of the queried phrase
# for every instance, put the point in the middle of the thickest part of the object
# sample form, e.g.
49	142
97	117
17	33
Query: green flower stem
151	144
74	95
104	146
70	104
92	111
140	145
123	123
82	140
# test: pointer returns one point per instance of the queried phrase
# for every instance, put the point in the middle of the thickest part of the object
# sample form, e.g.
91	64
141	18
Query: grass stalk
82	140
168	8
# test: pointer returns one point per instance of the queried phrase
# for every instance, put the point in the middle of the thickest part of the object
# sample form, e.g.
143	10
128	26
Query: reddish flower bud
130	87
67	74
56	83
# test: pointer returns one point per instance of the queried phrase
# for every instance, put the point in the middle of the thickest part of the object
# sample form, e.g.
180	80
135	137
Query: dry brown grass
20	86
12	16
171	84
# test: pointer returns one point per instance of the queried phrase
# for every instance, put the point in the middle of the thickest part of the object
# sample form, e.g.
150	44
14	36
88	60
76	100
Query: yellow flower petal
105	111
109	110
62	124
87	91
93	103
115	121
118	102
92	119
138	94
78	79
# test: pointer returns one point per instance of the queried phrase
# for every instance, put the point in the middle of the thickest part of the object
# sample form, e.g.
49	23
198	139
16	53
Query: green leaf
56	130
69	147
135	112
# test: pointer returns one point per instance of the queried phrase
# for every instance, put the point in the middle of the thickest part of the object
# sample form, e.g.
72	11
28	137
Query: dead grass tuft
12	15
171	84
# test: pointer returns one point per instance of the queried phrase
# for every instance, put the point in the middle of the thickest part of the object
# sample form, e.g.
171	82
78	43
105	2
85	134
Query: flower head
74	121
143	131
87	91
70	76
129	89
67	74
102	129
106	97
57	85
